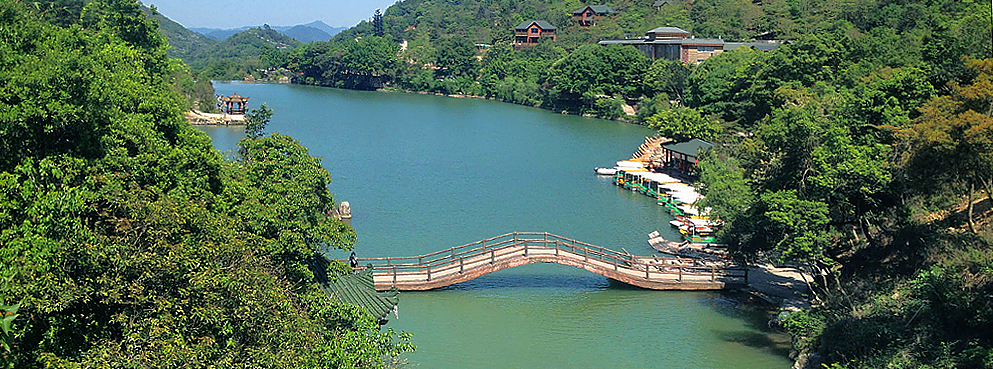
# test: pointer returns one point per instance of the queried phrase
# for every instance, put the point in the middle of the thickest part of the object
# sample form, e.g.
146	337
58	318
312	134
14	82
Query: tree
595	69
457	57
594	74
683	124
257	120
718	85
667	76
727	192
953	137
366	63
131	241
378	29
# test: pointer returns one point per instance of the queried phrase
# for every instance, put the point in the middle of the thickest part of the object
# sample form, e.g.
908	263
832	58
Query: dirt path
784	287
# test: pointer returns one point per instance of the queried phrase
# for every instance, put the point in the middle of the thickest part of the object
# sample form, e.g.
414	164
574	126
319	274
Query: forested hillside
184	44
126	240
244	54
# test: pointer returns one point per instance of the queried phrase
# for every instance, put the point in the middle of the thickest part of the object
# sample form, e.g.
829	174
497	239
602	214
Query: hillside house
586	16
528	34
672	43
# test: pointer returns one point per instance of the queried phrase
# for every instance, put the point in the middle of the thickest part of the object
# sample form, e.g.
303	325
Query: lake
425	173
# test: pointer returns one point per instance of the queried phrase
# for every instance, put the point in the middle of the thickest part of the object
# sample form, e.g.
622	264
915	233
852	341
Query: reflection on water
426	173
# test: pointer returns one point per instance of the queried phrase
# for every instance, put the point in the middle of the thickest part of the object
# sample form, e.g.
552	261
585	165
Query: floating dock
646	173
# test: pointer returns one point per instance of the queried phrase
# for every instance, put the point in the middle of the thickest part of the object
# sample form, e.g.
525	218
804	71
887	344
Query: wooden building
234	104
586	16
528	34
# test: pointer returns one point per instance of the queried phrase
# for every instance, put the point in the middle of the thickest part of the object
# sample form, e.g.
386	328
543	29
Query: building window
534	30
705	49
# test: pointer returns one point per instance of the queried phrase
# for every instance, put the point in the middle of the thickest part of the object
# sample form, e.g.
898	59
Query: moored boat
605	171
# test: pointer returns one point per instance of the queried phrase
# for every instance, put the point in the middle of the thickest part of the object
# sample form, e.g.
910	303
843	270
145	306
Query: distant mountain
310	32
219	34
185	43
331	31
306	34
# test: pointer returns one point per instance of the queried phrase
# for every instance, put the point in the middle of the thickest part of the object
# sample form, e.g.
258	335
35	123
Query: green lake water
426	173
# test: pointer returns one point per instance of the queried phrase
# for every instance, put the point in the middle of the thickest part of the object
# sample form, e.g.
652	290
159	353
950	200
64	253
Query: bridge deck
463	263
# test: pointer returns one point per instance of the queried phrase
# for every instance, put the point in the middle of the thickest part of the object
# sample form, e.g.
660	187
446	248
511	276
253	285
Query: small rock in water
345	210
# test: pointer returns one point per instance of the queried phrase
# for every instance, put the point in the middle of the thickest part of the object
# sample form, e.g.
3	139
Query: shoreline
477	97
198	118
456	96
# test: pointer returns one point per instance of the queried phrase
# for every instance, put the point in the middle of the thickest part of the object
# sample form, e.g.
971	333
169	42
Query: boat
688	248
605	171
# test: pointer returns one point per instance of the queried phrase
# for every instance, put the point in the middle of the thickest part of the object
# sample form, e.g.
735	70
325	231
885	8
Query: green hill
306	34
251	42
184	44
491	21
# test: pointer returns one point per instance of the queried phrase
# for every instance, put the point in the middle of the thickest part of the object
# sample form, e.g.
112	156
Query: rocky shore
786	288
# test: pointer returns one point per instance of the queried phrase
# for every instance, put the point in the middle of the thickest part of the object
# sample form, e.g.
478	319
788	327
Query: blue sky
232	14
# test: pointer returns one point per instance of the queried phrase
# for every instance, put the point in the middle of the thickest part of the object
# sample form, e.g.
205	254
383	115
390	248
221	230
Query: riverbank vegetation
871	167
859	150
126	240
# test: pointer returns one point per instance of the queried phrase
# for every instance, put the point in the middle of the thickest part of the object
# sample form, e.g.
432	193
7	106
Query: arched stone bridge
466	262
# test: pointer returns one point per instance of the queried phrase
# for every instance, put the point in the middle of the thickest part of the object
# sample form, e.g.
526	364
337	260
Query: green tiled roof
598	9
541	24
688	148
358	289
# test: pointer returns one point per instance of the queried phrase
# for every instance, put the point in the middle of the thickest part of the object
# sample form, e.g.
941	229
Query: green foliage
243	54
727	191
955	133
457	57
719	85
650	107
805	326
683	124
183	43
669	77
599	70
257	120
199	92
130	240
796	228
8	313
366	63
377	24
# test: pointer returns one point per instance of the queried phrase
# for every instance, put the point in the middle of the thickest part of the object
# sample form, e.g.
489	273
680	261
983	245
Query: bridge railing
513	244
